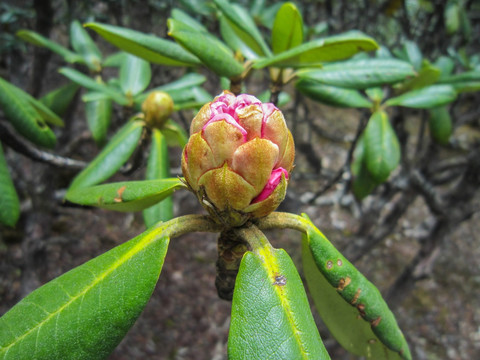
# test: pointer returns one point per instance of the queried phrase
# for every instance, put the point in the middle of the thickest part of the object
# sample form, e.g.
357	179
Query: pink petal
272	183
268	109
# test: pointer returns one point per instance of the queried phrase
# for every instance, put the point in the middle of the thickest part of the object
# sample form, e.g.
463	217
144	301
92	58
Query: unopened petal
198	158
223	138
226	189
272	183
254	161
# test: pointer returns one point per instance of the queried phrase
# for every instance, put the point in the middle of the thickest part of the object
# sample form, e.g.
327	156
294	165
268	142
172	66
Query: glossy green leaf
212	52
9	202
382	149
175	134
440	123
352	307
179	89
83	44
43	111
115	60
85	313
38	40
363	182
426	76
313	53
413	54
183	17
362	302
287	29
158	167
425	98
446	65
271	317
95	85
466	86
452	17
125	196
267	16
360	74
23	116
112	157
235	42
59	100
244	26
135	75
147	47
473	75
333	95
99	114
375	94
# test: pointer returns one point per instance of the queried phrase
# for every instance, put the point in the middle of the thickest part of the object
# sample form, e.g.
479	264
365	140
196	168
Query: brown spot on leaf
343	283
120	191
372	341
355	297
339	262
361	309
280	280
376	321
329	264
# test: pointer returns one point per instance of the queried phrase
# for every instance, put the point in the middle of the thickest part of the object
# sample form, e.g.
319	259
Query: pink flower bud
238	157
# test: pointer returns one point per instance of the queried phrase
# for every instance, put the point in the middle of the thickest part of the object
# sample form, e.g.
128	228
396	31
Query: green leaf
283	98
244	26
125	196
158	167
179	89
352	307
452	17
38	40
45	113
473	75
413	54
440	124
115	60
360	74
235	42
267	16
287	29
135	75
85	313
382	149
89	83
83	44
23	116
446	65
332	95
183	17
175	134
425	98
112	157
427	75
9	202
271	317
59	100
99	114
147	47
212	52
313	53
363	182
375	94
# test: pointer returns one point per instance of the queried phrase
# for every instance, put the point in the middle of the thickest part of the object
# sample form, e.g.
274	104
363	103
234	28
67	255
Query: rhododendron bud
157	108
238	158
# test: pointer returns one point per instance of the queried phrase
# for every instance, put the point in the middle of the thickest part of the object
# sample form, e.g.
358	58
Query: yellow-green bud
157	108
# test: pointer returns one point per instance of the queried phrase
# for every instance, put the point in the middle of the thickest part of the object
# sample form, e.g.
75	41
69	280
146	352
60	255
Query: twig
24	148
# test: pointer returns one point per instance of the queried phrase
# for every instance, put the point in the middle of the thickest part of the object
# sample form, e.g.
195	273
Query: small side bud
157	108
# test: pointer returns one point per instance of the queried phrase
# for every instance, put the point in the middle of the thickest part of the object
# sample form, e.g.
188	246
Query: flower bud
238	158
157	108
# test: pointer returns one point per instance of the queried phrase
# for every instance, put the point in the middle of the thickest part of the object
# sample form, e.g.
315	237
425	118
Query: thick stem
187	224
283	220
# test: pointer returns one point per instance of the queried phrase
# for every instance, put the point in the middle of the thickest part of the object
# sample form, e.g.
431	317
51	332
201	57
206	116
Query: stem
283	220
187	224
254	237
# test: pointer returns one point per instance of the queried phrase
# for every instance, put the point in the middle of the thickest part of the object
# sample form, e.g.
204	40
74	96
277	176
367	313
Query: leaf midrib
146	240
